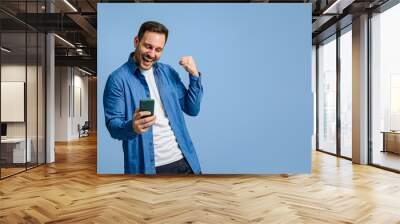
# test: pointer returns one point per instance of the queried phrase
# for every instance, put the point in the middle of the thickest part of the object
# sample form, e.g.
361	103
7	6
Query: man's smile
147	60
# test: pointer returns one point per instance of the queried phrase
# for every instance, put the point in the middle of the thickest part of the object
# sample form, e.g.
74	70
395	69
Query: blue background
256	114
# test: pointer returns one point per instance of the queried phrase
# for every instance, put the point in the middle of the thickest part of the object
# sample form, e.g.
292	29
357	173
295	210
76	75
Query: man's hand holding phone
144	118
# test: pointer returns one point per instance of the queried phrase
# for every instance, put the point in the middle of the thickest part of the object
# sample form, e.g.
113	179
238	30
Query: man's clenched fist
187	62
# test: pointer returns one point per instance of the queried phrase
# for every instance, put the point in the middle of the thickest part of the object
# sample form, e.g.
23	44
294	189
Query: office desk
13	150
391	141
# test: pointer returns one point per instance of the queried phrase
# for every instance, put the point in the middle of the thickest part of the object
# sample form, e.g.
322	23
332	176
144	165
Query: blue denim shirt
124	89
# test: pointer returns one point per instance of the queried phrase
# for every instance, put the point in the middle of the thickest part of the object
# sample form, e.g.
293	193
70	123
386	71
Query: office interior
48	80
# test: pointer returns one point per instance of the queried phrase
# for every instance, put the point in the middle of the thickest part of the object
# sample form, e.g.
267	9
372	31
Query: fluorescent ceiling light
84	71
65	41
329	9
5	49
70	5
338	6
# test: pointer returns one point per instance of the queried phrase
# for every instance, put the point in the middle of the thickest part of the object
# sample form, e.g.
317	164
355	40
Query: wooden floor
70	191
5	172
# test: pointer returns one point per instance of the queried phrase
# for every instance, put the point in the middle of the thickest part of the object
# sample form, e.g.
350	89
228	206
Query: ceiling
75	21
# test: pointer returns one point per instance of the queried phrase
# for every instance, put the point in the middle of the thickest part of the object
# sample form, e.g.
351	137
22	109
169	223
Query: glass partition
22	88
13	95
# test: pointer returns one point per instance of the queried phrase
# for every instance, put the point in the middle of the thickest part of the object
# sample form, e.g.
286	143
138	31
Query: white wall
62	81
70	83
12	73
80	89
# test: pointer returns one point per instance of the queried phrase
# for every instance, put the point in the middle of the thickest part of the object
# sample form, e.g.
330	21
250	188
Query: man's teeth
147	60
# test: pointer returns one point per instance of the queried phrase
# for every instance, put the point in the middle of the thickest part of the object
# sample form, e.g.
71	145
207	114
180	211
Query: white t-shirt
166	149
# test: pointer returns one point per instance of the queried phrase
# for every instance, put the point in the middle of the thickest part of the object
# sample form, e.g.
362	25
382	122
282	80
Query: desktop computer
3	130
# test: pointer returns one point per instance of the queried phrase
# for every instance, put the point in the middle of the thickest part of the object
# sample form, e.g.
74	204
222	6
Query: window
327	95
385	88
346	92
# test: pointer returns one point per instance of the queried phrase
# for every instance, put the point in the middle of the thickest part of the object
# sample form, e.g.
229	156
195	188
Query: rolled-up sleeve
114	111
189	98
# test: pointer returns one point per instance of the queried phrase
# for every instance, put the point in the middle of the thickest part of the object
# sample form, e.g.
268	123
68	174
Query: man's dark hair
153	26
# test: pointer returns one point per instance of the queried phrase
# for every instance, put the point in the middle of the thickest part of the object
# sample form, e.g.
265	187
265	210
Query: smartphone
147	105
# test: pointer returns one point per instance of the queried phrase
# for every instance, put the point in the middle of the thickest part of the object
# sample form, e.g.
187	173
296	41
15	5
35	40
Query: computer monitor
3	129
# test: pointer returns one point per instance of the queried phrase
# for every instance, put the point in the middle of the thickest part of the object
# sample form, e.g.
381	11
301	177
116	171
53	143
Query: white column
50	91
360	90
50	109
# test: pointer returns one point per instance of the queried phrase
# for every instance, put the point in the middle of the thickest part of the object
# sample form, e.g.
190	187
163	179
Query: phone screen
147	105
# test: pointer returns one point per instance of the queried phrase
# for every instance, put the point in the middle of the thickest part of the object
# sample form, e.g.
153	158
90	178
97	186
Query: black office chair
84	130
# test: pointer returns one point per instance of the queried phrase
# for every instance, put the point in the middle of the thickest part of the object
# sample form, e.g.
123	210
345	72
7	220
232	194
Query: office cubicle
22	78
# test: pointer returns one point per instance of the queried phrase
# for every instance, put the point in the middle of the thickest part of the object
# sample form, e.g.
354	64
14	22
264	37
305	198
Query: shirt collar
135	69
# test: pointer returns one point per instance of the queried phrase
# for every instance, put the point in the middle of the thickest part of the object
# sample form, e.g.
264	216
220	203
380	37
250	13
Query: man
158	144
